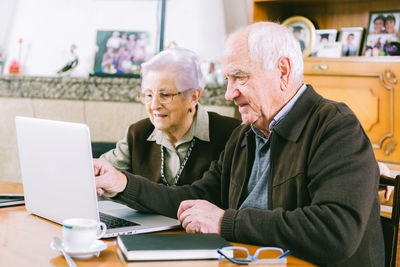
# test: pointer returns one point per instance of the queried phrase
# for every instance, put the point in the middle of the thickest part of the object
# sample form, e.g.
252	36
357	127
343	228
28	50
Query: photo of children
121	52
383	29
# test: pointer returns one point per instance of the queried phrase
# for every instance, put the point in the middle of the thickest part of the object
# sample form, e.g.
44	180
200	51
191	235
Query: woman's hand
109	181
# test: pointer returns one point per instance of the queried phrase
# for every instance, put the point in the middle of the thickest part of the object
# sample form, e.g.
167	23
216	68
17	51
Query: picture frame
323	38
121	53
333	50
382	33
351	39
303	30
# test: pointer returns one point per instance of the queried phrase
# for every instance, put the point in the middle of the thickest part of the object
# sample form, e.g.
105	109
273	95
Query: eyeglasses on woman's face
241	255
164	96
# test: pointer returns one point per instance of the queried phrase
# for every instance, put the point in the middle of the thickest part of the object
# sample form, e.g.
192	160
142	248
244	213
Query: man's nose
231	92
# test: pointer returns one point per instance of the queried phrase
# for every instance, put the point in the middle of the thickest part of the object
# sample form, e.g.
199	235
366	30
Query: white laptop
58	178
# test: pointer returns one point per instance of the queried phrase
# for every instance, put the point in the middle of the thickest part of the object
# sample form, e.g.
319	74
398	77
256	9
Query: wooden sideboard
368	85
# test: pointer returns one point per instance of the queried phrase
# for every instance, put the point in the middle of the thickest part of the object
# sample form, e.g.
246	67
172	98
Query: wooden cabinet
371	89
369	86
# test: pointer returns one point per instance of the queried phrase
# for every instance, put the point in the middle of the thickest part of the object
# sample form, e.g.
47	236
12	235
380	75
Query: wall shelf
90	89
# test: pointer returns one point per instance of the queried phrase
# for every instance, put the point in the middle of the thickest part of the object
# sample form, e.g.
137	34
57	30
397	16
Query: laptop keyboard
114	222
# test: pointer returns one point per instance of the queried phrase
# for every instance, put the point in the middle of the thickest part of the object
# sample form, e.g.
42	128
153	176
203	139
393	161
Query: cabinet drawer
346	66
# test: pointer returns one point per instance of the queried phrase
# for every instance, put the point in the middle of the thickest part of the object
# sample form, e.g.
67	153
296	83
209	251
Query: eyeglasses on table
281	259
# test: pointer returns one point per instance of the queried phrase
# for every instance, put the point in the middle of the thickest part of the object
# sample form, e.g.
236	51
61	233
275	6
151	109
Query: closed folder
7	200
156	247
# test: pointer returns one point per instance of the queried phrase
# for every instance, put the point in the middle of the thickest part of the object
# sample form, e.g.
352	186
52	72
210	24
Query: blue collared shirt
257	187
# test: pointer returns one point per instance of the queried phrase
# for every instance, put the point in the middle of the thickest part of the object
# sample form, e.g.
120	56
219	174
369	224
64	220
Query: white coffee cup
79	233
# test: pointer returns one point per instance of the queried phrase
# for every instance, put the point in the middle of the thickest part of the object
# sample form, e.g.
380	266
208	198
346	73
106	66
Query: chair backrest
390	225
98	148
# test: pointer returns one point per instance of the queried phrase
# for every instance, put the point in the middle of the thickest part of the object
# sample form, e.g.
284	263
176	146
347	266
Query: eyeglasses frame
254	259
170	97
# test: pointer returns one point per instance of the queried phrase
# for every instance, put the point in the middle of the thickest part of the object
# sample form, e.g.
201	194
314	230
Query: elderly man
300	174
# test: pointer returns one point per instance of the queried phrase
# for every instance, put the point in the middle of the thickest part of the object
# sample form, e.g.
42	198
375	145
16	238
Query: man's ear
285	69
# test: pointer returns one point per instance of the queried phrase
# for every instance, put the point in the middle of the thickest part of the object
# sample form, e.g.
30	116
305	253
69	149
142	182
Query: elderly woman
178	141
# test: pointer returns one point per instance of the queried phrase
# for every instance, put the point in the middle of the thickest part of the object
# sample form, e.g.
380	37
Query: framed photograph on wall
382	33
303	30
351	39
120	53
322	38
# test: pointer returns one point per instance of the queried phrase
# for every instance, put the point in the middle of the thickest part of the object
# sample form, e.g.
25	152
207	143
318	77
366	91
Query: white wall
8	8
236	15
49	27
198	25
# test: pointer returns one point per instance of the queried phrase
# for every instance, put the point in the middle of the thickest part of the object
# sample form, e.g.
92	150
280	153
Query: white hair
270	41
182	63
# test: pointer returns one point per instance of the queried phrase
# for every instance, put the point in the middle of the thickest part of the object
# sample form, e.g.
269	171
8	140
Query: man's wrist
227	224
123	182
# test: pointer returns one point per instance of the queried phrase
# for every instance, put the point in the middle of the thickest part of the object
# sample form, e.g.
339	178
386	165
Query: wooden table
25	241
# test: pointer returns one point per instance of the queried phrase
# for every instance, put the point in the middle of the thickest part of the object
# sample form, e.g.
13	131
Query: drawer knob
390	147
390	77
323	67
320	67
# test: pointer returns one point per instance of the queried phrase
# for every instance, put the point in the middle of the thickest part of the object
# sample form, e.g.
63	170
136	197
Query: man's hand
109	181
200	216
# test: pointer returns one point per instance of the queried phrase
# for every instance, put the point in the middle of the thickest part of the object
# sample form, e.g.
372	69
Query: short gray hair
269	41
182	63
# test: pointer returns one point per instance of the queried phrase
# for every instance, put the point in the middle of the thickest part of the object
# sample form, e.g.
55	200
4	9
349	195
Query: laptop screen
57	169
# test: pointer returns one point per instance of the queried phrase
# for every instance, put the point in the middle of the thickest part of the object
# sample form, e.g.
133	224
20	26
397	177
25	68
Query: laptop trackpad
122	211
116	208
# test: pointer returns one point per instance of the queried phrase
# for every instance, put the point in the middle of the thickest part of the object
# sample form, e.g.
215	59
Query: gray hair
269	41
182	63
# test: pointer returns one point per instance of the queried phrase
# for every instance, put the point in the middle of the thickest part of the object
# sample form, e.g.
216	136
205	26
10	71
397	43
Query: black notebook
7	200
154	247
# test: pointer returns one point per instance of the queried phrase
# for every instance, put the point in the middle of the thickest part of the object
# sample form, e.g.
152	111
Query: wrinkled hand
109	181
200	216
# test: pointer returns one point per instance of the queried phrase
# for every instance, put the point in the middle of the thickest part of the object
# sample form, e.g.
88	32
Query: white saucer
94	249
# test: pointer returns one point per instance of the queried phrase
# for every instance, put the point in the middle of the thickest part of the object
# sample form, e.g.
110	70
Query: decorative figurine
67	69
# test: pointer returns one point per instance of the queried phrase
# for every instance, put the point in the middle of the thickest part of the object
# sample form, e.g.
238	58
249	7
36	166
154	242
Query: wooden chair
390	225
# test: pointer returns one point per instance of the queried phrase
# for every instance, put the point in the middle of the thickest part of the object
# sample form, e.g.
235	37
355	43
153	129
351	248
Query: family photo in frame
121	52
351	39
382	32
